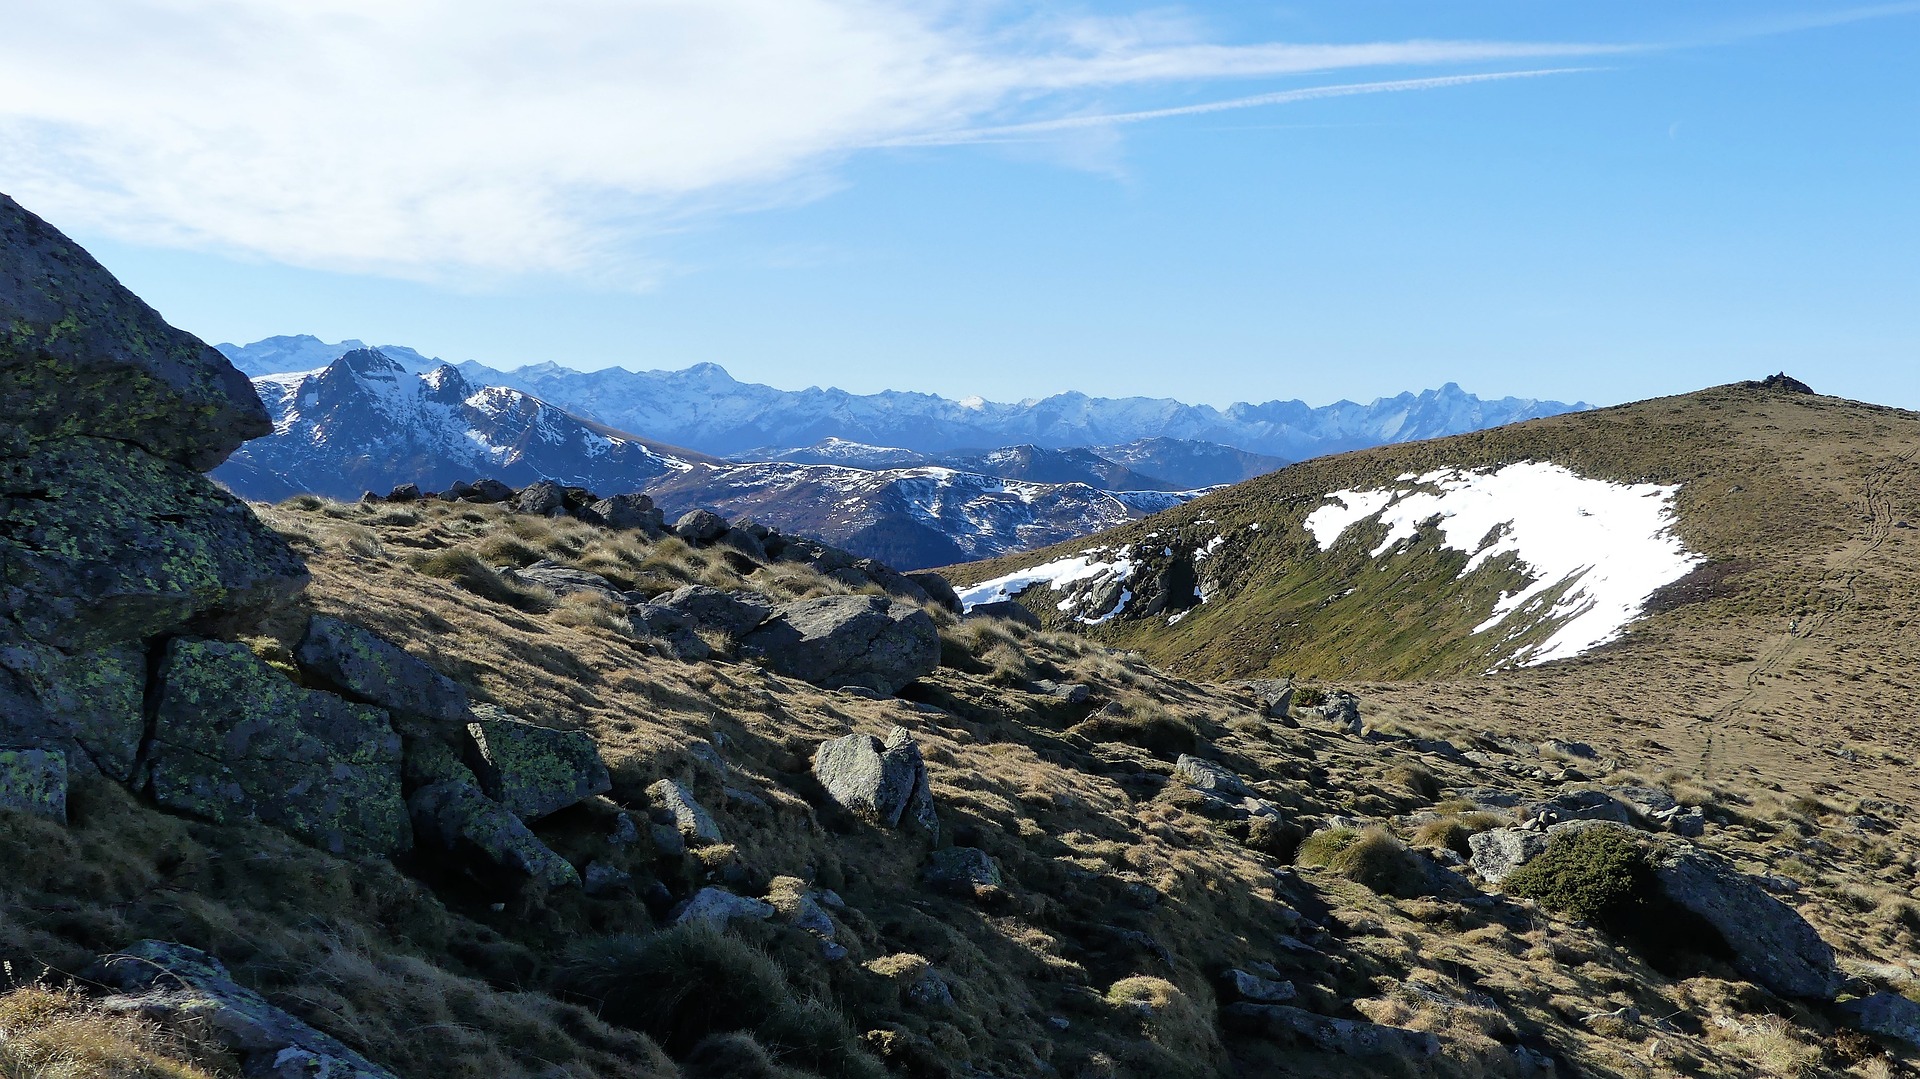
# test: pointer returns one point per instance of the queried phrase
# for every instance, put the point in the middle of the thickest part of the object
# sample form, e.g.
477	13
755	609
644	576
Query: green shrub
1593	874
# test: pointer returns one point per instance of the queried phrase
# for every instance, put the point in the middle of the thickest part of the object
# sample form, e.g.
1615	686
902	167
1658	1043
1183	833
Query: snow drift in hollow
1611	545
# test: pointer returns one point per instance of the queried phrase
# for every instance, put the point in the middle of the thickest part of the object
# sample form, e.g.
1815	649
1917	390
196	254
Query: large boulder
882	782
1886	1014
938	589
1500	851
700	526
678	805
458	821
234	739
534	770
107	545
631	511
837	641
367	667
566	581
1770	942
543	499
673	632
82	356
34	781
191	994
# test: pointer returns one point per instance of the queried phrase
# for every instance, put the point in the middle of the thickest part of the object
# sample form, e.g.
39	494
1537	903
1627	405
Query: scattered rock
486	492
1888	1015
690	818
543	499
930	990
1274	694
700	526
369	668
1770	942
937	588
1578	805
963	870
1205	775
717	906
190	993
672	631
1067	692
458	820
882	782
234	739
1581	750
630	512
566	581
406	492
533	770
1500	851
1006	610
1241	985
1294	1026
603	881
837	641
1340	711
732	613
34	781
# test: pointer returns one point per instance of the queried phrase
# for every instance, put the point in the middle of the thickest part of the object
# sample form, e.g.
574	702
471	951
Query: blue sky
1595	201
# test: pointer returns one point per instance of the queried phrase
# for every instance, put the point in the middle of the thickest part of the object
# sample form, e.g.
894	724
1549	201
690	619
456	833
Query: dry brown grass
59	1034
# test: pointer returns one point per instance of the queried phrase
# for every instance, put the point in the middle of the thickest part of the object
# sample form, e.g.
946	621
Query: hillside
464	788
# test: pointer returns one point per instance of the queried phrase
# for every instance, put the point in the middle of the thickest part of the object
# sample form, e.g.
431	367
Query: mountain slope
364	422
1190	465
1314	574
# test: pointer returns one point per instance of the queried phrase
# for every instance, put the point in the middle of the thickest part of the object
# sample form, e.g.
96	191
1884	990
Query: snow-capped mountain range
895	482
706	408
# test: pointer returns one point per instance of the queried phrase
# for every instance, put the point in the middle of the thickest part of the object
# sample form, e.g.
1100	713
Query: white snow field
1091	570
1613	545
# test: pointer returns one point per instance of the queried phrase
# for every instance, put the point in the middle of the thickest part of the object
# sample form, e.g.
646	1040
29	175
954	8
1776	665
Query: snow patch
1083	576
1608	546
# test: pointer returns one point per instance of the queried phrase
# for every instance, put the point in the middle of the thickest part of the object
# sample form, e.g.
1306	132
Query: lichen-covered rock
689	817
1770	942
105	545
732	613
534	770
190	993
717	906
34	781
234	739
367	667
81	355
457	820
839	641
89	706
882	782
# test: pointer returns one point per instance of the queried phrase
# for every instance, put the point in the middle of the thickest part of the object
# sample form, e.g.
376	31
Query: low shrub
1592	874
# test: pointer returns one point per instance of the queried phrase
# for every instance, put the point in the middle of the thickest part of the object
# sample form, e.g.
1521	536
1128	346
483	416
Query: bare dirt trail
1810	632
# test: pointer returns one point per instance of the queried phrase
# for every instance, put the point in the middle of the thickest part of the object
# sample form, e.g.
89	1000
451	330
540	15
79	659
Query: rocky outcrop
190	993
534	770
732	613
881	782
34	781
234	739
369	668
456	820
109	534
837	641
717	907
82	356
700	526
1886	1014
683	812
1770	942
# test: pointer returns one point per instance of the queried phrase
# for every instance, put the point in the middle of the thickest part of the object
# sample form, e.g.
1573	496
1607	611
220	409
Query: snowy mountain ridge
706	408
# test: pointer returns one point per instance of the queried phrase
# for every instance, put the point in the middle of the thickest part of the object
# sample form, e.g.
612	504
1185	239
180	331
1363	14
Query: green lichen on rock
81	355
34	781
88	706
534	770
234	739
101	545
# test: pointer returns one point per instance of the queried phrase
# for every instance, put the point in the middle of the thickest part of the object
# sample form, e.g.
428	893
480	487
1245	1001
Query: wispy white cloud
1283	97
437	137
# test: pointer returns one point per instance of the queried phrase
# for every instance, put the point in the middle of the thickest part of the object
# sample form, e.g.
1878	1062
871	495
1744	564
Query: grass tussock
49	1033
1370	857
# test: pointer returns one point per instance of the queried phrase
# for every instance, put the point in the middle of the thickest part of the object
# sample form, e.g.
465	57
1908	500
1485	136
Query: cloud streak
438	138
1283	97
